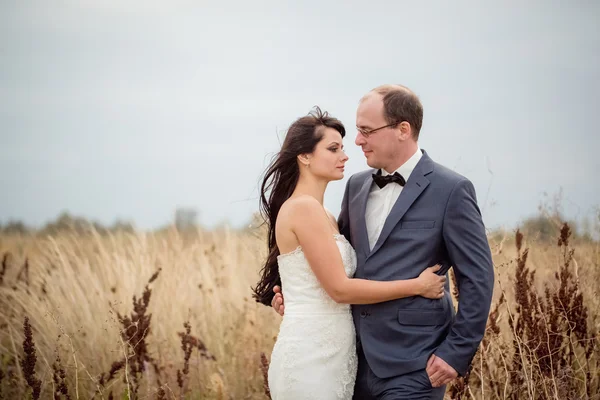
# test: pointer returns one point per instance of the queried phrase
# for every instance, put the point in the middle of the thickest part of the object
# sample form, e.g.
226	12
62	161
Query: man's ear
405	130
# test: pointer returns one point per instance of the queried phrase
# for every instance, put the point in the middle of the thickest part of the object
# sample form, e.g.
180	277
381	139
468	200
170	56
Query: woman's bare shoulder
301	204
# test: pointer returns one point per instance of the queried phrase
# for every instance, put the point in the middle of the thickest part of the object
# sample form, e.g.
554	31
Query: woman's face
328	159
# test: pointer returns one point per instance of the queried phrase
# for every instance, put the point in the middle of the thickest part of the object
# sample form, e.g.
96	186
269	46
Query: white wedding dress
314	357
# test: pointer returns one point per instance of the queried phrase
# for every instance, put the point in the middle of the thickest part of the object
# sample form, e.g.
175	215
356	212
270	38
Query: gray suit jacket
435	220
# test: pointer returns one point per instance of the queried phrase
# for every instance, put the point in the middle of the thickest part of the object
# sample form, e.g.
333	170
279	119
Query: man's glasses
366	133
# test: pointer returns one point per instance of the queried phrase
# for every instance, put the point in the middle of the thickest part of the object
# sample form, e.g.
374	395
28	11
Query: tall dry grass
542	335
78	296
167	316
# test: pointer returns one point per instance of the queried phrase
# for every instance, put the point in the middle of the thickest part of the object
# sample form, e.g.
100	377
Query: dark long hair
280	179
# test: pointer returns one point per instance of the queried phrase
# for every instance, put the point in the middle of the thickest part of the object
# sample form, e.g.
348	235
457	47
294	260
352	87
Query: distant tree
541	226
122	226
66	222
546	224
185	219
15	228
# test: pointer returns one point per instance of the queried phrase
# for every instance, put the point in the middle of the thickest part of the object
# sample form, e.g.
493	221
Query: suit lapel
361	211
415	185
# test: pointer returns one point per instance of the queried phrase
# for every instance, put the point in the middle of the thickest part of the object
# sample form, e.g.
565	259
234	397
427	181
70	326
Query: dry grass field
166	315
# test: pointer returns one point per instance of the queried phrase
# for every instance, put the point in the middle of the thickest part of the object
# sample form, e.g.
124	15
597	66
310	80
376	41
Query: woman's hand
431	284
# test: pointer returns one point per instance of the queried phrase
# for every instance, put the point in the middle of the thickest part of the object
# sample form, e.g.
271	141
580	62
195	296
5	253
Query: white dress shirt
381	200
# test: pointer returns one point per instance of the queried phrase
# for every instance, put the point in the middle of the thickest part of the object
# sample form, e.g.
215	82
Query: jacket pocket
422	317
417	224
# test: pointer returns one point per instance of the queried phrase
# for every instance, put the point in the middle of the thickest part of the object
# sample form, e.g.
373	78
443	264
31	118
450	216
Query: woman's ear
304	159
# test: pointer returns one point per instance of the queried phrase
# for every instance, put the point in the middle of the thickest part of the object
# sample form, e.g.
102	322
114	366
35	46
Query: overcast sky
130	109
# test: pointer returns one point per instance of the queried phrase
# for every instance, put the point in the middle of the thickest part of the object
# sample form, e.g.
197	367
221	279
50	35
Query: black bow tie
381	180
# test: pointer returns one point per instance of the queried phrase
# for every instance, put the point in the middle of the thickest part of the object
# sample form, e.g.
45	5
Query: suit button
363	314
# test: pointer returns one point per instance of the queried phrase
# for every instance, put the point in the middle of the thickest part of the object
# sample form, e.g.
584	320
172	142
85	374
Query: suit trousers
411	386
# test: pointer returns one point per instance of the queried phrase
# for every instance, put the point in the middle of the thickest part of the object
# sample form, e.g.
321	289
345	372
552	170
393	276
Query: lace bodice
314	356
301	289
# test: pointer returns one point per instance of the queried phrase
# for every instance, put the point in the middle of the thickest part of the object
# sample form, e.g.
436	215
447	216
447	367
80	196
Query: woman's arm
313	231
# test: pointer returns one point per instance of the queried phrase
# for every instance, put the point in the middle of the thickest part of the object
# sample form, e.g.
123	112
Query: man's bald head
400	104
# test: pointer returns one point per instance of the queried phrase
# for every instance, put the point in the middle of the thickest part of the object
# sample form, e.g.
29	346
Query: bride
314	356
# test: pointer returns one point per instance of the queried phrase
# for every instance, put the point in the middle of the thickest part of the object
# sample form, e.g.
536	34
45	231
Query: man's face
381	146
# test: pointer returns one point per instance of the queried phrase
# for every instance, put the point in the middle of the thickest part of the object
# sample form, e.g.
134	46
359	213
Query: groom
404	215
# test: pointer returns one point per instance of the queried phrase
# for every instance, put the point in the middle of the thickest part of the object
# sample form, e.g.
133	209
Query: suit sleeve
344	218
470	255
